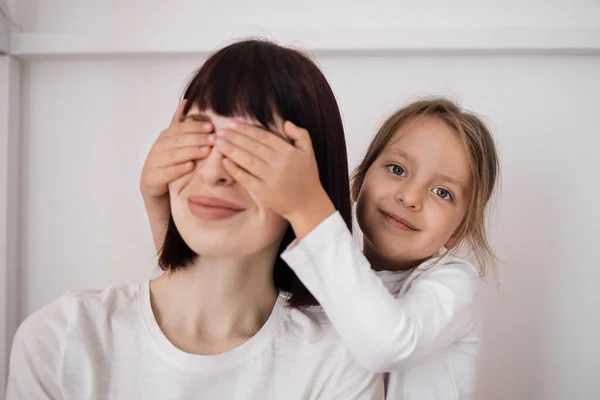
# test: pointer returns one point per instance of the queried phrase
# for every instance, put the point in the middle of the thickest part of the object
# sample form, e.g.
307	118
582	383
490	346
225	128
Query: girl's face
214	214
415	195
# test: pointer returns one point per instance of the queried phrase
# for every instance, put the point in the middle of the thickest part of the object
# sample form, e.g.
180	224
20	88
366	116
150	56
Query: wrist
151	192
146	192
155	199
315	211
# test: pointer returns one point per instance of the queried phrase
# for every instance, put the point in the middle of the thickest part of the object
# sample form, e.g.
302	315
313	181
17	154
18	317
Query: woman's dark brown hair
260	79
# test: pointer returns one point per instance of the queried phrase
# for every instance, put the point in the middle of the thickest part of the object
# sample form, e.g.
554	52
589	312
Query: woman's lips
212	208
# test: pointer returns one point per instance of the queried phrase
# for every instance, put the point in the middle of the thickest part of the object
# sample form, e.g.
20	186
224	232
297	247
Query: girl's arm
172	155
384	333
158	210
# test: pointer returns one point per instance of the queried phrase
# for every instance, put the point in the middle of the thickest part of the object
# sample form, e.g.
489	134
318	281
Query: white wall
88	123
9	205
84	16
4	28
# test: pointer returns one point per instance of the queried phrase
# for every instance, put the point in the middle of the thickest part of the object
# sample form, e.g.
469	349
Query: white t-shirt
418	325
108	345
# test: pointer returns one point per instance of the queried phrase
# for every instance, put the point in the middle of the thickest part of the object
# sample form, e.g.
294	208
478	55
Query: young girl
421	194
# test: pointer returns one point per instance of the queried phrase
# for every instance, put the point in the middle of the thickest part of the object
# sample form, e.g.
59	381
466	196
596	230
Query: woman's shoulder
109	300
309	327
309	339
75	309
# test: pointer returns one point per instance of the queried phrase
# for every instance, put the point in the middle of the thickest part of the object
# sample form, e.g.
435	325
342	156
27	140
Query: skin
414	196
409	207
172	155
225	297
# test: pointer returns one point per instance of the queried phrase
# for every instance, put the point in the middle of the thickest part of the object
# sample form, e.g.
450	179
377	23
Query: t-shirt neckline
210	363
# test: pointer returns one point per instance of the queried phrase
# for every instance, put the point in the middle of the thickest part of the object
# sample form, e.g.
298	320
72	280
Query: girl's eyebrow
401	153
443	177
450	180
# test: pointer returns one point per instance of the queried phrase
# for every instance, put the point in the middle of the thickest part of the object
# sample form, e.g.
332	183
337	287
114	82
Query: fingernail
220	142
233	124
207	126
211	138
204	150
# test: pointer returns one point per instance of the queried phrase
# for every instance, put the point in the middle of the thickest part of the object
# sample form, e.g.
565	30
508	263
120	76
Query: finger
242	158
300	137
254	147
186	128
189	140
178	116
273	140
173	172
195	127
182	155
244	178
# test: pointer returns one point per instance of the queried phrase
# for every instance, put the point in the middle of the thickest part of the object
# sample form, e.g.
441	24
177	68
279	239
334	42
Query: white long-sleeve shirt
107	345
418	325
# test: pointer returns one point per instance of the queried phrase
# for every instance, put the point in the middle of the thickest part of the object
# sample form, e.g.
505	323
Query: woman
228	319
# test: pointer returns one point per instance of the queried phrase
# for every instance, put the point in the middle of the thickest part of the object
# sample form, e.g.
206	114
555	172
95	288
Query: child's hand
174	152
283	176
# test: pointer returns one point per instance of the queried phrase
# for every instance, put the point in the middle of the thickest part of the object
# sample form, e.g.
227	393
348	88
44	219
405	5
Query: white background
89	116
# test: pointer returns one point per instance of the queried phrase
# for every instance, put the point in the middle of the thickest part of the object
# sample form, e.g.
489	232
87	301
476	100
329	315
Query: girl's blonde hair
483	159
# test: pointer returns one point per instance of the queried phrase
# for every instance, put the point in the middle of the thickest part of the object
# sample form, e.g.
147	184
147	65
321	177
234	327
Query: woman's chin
231	249
214	250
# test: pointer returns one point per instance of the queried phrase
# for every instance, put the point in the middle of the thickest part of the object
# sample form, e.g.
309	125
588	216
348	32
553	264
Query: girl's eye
443	193
396	169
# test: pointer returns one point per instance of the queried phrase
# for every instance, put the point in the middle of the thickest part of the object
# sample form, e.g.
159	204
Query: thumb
178	115
299	136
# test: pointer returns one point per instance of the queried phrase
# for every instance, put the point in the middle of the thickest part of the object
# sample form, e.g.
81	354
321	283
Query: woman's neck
215	304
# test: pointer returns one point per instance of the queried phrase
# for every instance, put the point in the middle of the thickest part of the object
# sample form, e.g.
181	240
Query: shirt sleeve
383	333
36	356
